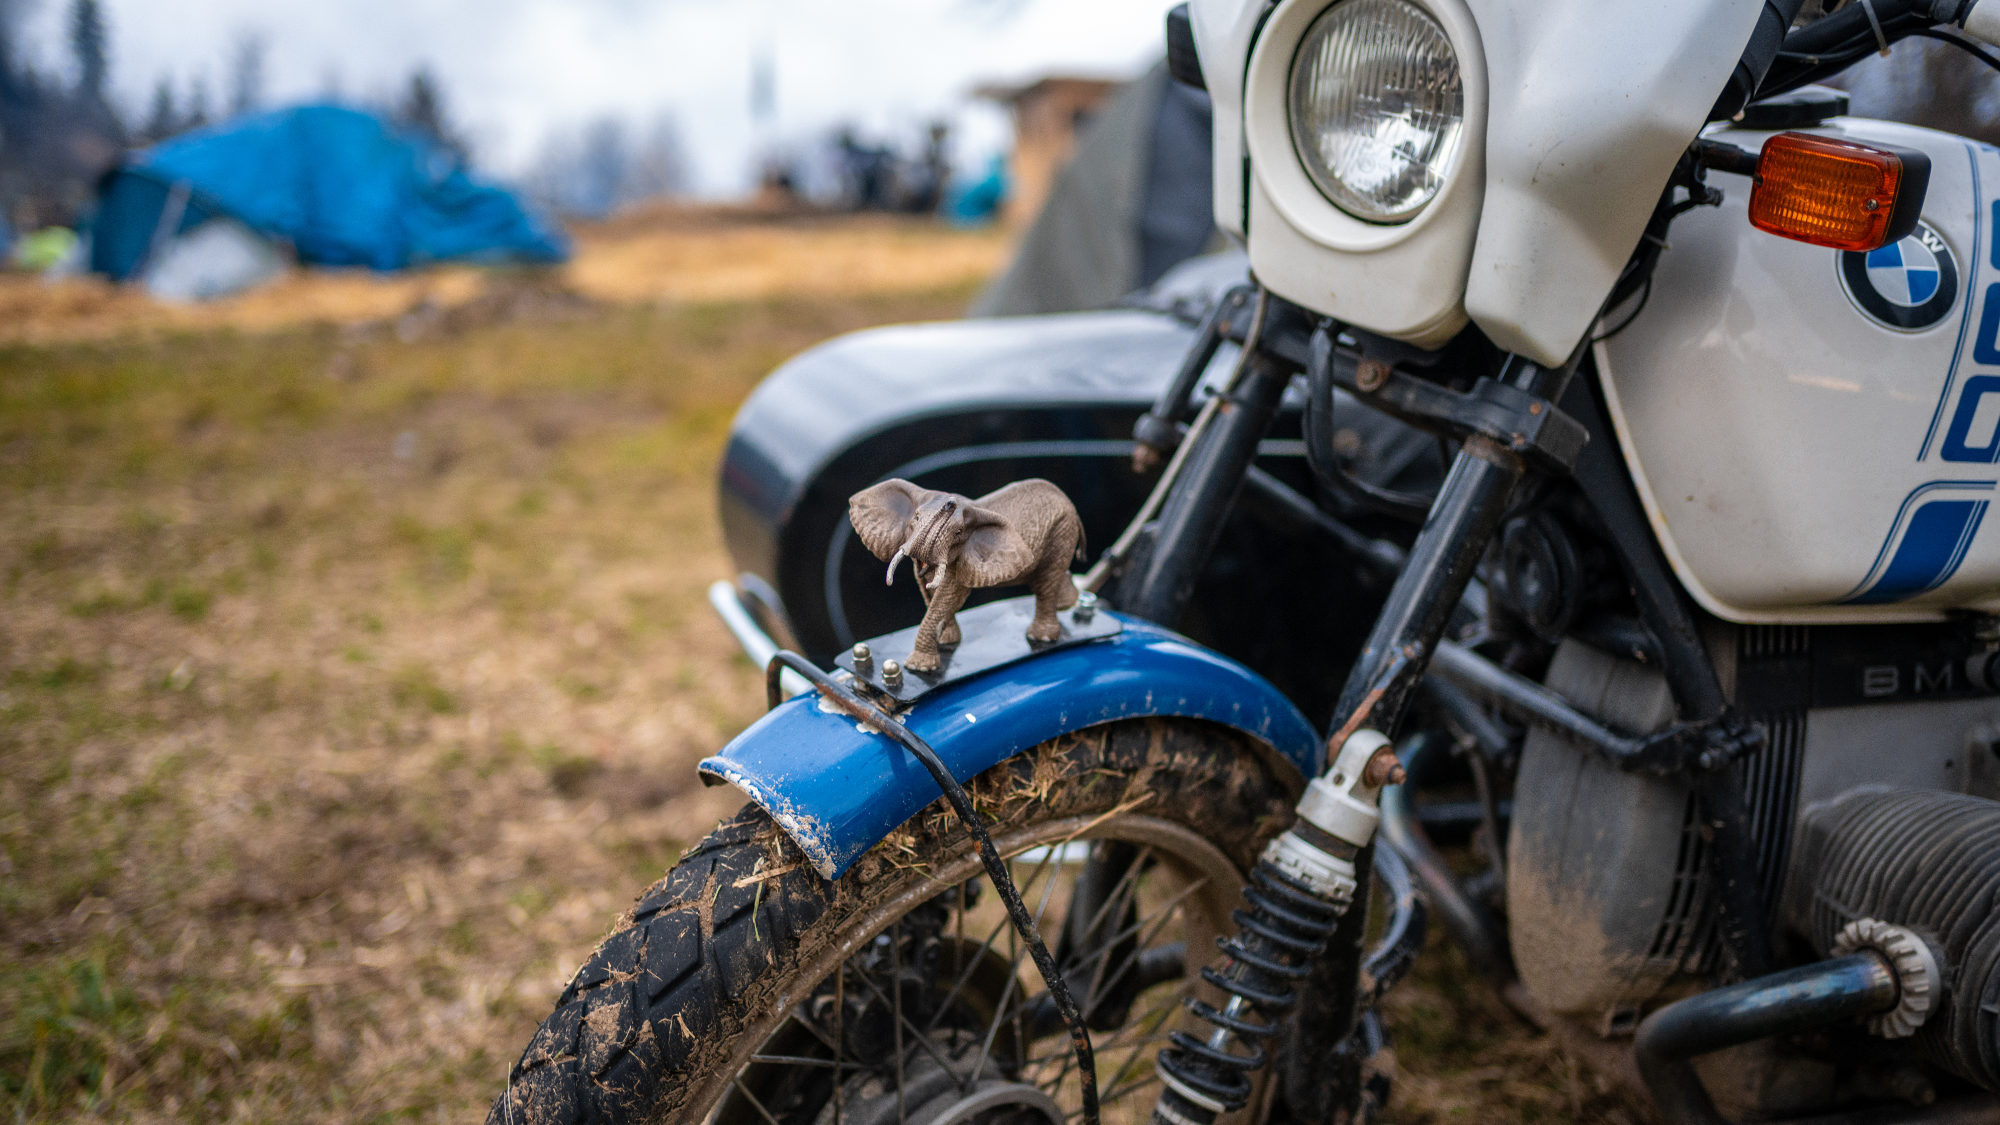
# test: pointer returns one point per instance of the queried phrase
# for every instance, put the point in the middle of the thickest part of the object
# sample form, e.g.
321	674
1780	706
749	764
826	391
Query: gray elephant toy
1027	532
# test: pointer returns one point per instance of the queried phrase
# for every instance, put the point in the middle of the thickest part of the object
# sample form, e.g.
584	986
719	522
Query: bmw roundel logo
1908	285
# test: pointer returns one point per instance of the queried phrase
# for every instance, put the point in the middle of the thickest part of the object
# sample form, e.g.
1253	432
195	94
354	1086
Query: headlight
1376	107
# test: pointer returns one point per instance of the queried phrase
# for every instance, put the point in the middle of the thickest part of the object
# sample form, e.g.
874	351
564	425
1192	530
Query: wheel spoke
1000	1011
796	1060
1152	924
902	1023
1124	905
1120	1092
985	947
816	1031
1048	892
1149	1034
1099	957
754	1103
1156	920
896	981
1127	881
840	1037
971	967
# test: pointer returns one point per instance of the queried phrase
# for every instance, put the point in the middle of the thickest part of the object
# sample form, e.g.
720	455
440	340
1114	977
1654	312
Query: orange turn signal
1837	193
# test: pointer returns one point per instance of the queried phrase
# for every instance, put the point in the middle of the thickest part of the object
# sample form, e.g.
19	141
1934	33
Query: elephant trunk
927	535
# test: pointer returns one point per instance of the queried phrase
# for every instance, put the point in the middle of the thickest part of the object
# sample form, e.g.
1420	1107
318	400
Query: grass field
354	662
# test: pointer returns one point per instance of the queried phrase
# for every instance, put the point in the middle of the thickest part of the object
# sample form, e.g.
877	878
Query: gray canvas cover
1134	201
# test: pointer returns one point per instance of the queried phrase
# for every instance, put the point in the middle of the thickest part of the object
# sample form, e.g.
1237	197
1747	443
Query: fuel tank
1815	433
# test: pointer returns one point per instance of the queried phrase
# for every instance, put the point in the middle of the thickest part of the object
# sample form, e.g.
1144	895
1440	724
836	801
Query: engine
1875	796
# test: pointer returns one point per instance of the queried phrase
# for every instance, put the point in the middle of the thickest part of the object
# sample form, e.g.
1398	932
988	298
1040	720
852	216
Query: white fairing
1223	30
1815	434
1592	104
1575	113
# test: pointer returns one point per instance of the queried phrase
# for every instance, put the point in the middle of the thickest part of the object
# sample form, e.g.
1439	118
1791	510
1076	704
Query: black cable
859	708
1645	294
1966	45
1835	42
1320	457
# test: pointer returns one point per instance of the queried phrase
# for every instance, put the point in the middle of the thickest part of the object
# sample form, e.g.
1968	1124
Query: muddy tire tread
691	964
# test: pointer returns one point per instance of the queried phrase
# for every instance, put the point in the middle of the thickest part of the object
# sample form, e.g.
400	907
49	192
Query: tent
1134	201
338	186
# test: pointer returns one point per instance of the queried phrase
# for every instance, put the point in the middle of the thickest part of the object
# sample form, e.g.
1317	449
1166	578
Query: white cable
1094	579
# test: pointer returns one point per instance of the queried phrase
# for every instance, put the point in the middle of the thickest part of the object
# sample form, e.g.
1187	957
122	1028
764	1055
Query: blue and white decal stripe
1933	529
1971	288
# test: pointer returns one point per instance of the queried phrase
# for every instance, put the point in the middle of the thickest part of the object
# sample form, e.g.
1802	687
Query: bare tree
197	105
601	166
56	137
246	73
163	118
87	41
593	171
423	109
659	168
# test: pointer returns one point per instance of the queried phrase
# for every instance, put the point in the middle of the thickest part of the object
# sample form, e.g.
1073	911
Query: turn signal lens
1837	193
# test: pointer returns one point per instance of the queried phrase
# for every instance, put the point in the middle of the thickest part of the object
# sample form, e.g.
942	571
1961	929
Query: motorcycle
1591	470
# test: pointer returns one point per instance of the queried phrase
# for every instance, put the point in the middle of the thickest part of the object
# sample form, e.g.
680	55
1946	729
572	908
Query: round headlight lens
1377	107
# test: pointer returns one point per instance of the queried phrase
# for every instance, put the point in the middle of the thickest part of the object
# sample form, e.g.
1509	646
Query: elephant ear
881	514
995	552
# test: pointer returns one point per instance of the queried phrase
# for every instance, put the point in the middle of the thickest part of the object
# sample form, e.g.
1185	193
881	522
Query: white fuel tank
1815	433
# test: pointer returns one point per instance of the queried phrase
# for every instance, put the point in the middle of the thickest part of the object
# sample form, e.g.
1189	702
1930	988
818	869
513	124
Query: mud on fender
838	789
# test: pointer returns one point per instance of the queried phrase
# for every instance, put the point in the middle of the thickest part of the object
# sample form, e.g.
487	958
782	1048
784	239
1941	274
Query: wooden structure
1048	113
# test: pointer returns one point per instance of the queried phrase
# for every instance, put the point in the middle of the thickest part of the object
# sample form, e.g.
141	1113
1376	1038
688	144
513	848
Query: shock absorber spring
1296	895
1276	938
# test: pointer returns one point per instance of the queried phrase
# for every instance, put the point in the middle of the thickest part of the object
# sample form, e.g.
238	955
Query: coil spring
1276	939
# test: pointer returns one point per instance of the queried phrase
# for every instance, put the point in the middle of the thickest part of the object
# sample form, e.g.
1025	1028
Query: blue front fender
838	790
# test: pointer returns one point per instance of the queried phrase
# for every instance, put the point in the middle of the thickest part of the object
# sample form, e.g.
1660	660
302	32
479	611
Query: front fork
1300	924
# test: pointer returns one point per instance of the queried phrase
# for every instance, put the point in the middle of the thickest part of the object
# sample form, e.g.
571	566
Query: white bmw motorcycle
1700	617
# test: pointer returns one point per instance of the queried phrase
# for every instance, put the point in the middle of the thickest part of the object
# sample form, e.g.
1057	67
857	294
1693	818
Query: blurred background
364	368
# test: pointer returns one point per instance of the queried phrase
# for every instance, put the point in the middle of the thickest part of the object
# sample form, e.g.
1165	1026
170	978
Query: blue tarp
339	186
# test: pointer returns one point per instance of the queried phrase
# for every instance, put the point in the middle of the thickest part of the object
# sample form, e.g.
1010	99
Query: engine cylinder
1929	861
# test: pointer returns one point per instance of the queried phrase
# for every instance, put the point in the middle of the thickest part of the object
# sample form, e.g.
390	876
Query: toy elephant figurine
1027	532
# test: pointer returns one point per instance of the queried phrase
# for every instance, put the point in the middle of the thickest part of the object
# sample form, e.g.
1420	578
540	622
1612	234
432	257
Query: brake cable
864	711
1114	556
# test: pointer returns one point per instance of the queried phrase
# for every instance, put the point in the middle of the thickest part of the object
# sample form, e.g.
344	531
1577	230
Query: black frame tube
1164	575
1691	677
1783	1003
1472	672
1155	430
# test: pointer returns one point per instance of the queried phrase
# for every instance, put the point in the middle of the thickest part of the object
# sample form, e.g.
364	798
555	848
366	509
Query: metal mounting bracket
994	634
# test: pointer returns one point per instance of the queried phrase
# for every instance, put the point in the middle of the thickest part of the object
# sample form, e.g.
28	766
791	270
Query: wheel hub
932	1095
991	1103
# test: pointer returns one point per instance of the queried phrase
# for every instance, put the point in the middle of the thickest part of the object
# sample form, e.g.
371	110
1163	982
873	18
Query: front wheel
744	989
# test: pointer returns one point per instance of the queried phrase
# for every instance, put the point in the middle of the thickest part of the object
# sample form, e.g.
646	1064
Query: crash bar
757	644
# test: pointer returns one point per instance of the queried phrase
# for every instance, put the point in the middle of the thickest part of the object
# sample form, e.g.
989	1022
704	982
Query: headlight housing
1377	107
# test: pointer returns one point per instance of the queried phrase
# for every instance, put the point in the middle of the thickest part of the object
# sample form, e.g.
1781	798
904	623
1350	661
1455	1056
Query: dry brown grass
661	255
351	679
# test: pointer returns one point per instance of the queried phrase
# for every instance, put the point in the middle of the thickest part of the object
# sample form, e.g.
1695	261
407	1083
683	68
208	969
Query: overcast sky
514	69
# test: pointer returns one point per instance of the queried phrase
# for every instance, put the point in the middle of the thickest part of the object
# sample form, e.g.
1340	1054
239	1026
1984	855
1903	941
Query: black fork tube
1326	1074
1192	519
1462	522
